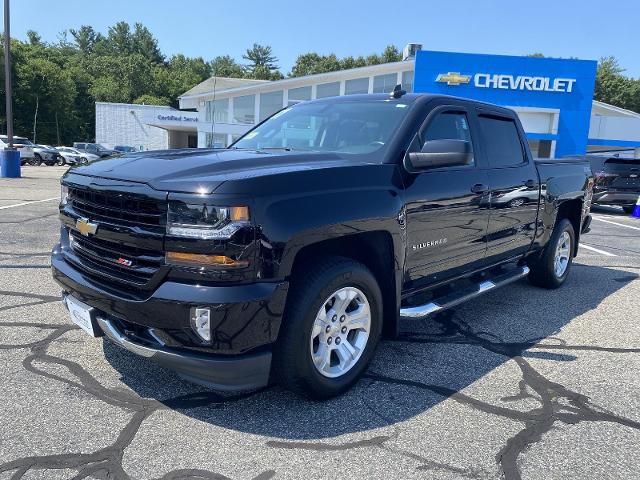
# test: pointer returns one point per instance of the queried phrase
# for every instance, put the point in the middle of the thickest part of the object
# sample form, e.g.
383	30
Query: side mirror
440	153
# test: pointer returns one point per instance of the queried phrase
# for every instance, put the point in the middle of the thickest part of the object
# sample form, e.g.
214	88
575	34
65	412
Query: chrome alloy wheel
563	253
340	332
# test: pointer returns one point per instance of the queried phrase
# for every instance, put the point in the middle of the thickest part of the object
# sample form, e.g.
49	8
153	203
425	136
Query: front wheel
551	269
36	161
330	330
61	162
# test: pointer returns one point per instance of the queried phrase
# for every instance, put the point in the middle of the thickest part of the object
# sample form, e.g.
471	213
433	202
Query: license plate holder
83	316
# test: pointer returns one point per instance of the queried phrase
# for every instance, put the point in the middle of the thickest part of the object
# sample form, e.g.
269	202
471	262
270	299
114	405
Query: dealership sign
509	82
560	85
177	118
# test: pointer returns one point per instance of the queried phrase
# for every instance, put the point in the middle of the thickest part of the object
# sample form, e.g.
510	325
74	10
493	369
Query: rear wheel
330	330
628	209
61	161
550	270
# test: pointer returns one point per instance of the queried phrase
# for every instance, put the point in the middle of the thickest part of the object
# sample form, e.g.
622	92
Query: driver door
447	208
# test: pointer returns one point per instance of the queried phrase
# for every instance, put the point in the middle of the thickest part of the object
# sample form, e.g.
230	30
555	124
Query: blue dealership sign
565	85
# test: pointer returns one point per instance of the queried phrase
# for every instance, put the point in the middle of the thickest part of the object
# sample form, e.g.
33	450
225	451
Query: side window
448	126
501	141
81	146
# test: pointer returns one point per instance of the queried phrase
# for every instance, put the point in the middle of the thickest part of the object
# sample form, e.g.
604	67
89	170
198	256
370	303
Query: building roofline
316	76
136	105
624	111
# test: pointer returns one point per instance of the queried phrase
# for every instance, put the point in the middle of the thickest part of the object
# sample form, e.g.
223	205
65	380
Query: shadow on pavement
431	361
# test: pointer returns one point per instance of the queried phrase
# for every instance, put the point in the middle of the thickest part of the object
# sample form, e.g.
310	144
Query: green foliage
263	63
147	99
311	63
615	88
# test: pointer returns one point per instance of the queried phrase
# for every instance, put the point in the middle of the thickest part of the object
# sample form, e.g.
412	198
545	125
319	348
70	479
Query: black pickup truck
287	256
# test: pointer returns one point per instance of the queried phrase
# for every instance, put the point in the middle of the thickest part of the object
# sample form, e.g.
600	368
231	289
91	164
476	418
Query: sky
587	29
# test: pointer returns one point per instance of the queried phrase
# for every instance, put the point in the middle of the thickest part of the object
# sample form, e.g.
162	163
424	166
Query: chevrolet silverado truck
287	256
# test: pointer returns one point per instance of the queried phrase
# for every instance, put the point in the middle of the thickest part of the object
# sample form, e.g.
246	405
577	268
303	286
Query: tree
613	87
147	99
34	38
225	66
86	38
144	43
263	63
311	63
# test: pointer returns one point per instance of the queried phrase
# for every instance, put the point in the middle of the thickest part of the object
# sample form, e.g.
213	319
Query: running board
461	296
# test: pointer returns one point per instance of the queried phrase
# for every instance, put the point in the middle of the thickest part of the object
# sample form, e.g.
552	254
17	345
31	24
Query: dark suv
617	181
95	149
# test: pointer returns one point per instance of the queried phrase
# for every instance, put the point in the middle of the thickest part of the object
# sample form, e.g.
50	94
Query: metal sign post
9	158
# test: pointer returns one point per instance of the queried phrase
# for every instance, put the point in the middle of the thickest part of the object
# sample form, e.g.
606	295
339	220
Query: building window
385	83
218	111
270	103
301	94
357	85
244	109
328	90
407	81
216	140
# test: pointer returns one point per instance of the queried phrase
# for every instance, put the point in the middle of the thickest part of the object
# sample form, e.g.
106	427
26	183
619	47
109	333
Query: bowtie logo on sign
509	82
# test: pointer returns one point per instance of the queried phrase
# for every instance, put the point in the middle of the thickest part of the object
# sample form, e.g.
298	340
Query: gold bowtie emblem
453	78
85	227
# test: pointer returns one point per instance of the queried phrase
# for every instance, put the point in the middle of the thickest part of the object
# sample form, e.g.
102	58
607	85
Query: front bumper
609	197
245	320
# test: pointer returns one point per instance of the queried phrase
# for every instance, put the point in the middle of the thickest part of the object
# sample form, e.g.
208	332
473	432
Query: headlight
64	194
205	221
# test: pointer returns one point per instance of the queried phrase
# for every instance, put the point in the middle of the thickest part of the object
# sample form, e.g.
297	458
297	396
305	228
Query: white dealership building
219	110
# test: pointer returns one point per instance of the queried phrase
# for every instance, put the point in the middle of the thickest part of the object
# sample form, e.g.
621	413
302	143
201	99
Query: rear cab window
501	141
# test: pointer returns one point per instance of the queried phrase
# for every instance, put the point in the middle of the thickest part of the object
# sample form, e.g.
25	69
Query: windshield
16	141
341	127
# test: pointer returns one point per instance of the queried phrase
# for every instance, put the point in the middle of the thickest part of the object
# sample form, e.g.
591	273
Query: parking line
615	223
29	203
602	252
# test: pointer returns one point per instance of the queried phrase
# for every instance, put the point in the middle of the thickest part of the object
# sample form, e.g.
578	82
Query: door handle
531	184
480	188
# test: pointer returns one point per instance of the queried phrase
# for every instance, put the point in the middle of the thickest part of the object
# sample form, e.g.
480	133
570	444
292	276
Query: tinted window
501	141
448	126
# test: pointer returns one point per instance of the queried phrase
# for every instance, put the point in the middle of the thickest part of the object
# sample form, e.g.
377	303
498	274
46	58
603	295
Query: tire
311	295
61	162
37	160
543	269
83	161
628	209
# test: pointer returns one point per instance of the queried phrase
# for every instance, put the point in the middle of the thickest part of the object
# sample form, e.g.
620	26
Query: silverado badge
85	227
124	261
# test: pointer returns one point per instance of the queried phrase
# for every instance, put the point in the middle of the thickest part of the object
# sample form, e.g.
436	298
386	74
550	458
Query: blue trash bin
9	164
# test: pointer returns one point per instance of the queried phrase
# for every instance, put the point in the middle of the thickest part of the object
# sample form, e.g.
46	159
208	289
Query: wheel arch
375	250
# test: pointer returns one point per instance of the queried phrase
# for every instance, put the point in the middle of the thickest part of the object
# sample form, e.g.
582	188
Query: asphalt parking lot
520	383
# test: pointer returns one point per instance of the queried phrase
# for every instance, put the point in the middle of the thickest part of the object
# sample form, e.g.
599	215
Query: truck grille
130	265
117	208
127	248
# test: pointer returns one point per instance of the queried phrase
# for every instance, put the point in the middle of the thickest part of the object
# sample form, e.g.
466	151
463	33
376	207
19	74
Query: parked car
95	149
617	181
289	254
23	145
74	156
47	155
125	149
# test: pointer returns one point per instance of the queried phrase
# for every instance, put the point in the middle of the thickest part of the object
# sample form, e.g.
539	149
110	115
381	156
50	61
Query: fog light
201	322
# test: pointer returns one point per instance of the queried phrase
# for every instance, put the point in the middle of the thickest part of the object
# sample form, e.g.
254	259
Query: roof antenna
398	92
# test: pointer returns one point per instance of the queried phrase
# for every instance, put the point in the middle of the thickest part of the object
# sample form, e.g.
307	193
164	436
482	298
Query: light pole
7	73
9	158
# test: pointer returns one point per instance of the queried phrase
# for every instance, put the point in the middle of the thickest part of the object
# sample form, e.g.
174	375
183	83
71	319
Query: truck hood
198	171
